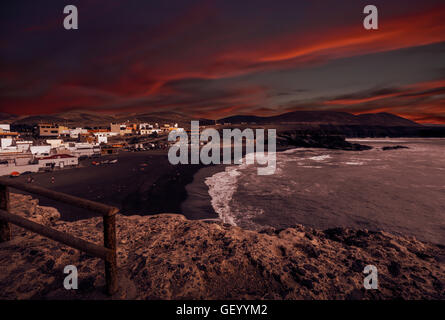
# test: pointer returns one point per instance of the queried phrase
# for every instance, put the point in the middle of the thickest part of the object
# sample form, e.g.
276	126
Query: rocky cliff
169	257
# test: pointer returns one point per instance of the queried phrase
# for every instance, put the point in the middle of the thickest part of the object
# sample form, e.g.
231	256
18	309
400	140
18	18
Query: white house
74	133
40	150
22	145
105	134
5	127
102	139
55	143
5	142
83	149
58	160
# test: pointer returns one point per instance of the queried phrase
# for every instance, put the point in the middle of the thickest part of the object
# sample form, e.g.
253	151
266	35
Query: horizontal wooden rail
107	253
69	240
62	197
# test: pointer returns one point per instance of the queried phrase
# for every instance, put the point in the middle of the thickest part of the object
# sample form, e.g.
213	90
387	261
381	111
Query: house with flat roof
5	127
58	160
48	130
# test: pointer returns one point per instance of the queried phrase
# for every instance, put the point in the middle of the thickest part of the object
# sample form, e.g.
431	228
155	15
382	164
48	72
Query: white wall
61	162
40	149
54	142
5	127
6	170
102	139
5	142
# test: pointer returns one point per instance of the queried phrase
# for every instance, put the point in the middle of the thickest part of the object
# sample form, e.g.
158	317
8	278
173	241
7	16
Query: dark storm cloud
213	58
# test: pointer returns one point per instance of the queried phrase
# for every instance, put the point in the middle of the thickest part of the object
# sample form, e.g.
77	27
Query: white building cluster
18	156
59	146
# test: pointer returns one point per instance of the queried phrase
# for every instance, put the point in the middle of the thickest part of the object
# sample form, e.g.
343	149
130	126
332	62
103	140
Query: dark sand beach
141	183
198	204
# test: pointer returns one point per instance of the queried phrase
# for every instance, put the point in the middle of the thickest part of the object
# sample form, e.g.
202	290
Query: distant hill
325	117
91	119
70	118
7	117
385	119
83	118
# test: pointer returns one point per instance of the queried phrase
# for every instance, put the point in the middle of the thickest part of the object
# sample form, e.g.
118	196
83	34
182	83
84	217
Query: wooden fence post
111	262
109	221
5	229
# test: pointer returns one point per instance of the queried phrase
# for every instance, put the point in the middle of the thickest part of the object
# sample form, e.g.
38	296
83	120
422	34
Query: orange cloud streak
413	30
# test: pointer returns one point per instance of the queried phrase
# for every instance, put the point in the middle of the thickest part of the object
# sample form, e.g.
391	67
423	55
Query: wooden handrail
69	240
62	197
107	253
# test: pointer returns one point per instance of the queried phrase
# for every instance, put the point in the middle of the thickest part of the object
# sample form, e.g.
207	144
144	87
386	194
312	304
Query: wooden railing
106	252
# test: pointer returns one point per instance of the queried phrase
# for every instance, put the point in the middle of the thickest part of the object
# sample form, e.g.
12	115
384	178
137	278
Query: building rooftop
58	156
9	133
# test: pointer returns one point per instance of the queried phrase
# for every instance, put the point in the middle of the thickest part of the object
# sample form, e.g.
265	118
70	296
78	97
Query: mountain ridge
327	117
303	117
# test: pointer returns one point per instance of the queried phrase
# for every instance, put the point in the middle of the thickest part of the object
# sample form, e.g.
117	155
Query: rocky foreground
169	257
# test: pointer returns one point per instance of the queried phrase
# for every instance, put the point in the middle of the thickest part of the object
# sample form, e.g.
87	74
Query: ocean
400	191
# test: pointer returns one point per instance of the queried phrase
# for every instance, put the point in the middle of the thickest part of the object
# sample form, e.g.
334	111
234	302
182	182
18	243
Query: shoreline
198	204
141	183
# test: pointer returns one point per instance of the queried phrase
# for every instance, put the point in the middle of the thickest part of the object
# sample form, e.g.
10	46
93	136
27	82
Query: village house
75	133
102	135
7	137
48	130
5	128
58	161
54	143
83	149
40	150
62	129
23	145
121	129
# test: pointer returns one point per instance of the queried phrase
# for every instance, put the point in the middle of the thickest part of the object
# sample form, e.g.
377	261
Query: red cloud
138	73
422	102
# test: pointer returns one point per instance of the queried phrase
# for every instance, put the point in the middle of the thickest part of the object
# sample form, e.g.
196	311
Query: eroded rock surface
169	257
27	207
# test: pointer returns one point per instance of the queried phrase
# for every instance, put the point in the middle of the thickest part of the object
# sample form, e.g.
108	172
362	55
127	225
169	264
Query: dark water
400	191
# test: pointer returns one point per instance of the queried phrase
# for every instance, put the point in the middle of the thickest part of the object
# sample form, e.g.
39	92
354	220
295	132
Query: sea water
400	191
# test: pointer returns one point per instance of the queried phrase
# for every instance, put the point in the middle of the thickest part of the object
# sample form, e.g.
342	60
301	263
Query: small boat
113	161
15	174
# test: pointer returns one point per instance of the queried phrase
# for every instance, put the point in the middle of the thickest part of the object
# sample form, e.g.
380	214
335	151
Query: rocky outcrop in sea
315	140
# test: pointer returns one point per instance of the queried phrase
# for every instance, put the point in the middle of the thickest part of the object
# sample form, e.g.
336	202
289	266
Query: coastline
198	204
294	262
142	183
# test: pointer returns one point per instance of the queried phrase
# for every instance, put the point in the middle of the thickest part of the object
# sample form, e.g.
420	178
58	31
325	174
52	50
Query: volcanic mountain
325	117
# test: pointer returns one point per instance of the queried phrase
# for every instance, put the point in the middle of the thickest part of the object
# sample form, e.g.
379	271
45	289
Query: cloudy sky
215	58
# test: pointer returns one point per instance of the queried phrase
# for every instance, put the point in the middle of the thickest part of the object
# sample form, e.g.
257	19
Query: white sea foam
320	158
377	140
354	163
222	185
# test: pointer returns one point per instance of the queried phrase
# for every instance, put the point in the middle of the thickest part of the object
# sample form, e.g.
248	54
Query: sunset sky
212	58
